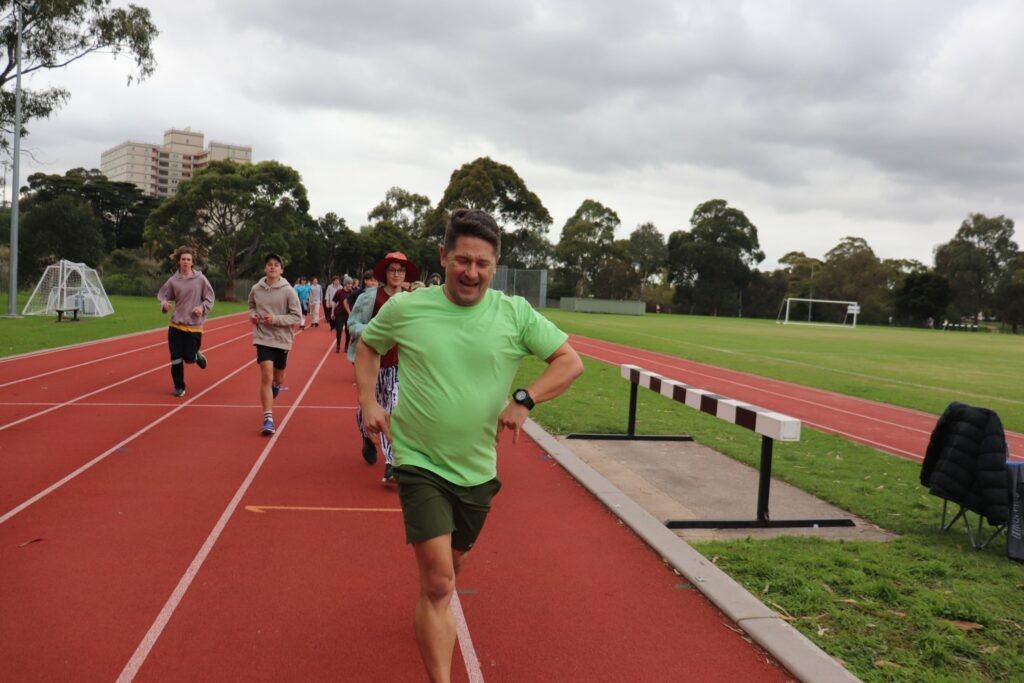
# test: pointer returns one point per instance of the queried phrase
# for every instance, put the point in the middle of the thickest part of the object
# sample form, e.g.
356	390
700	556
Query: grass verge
131	314
926	607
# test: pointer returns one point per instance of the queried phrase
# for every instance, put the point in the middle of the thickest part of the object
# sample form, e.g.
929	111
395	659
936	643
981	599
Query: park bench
770	425
61	312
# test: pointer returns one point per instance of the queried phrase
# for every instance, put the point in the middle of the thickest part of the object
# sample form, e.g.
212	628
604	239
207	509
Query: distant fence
602	306
532	285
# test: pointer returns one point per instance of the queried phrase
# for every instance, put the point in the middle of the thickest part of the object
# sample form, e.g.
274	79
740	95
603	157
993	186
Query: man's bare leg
267	373
433	620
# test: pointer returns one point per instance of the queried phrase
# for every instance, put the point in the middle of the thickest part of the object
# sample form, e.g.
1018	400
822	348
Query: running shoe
369	451
337	349
178	393
275	389
389	475
268	426
200	360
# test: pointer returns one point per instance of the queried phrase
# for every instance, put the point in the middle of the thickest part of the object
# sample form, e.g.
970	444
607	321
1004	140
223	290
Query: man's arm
166	295
564	366
375	419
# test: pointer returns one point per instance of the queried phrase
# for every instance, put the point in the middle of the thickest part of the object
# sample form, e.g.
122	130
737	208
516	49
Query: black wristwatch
522	397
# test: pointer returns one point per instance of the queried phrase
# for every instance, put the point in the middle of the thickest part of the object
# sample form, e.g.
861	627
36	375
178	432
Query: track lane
899	431
316	589
117	539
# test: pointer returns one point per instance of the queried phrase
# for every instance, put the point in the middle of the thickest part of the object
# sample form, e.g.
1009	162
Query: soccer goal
824	312
66	286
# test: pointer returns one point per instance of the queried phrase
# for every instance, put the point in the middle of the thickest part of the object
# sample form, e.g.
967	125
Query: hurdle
772	426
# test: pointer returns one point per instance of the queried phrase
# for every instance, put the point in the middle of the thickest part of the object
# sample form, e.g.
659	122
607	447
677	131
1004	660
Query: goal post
821	312
67	285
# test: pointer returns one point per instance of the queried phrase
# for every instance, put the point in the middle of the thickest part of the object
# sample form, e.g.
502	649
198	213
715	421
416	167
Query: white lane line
762	390
249	406
466	642
109	386
825	368
149	640
67	347
879	445
103	358
53	487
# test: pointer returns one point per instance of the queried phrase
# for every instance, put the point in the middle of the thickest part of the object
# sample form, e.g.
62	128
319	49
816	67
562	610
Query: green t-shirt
455	367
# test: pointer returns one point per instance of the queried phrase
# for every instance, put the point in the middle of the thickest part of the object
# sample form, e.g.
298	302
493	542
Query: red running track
151	538
892	429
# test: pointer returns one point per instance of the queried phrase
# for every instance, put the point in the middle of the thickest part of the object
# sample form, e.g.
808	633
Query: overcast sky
885	120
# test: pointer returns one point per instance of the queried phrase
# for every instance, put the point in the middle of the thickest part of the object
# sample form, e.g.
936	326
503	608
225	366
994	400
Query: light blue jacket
359	318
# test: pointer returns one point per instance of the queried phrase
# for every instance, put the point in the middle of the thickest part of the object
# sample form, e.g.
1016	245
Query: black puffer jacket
966	461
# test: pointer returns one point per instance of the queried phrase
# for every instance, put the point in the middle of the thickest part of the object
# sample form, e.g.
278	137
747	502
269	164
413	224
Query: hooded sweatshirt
279	300
187	293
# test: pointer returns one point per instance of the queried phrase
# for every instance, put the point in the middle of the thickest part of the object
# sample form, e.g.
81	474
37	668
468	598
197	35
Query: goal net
818	312
66	285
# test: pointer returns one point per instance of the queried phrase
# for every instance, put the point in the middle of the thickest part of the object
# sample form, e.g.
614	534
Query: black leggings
341	323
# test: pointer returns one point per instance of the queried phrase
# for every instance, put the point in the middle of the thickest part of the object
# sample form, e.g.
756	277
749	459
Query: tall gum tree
497	189
57	33
231	213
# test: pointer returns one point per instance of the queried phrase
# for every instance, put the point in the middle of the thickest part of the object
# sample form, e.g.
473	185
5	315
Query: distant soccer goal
66	286
825	312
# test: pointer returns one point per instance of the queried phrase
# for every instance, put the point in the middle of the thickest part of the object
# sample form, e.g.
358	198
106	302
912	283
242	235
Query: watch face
520	395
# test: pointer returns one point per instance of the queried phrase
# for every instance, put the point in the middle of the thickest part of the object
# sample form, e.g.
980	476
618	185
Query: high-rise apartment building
157	169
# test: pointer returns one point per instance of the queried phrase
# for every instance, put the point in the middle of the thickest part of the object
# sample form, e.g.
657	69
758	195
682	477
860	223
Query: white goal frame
67	285
852	308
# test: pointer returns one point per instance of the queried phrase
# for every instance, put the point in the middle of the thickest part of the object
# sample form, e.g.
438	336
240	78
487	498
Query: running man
461	345
316	299
339	315
329	300
302	290
273	310
392	270
192	296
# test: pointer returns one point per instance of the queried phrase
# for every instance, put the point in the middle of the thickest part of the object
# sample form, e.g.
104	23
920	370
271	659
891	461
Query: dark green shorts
433	506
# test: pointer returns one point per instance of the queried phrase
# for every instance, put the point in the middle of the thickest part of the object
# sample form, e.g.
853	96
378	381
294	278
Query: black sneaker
178	393
200	360
389	475
275	389
369	452
337	350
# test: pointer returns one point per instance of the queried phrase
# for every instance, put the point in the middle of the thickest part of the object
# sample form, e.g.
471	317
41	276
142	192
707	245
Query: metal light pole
3	184
12	292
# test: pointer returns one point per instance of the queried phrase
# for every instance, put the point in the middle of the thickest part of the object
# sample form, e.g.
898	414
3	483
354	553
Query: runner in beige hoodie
273	310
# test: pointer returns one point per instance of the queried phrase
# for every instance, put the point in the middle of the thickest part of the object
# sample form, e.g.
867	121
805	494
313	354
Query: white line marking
466	642
149	640
877	378
67	347
109	386
249	406
877	444
53	487
103	358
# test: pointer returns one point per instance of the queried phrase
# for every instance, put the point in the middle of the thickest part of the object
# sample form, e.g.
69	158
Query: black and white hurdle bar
770	425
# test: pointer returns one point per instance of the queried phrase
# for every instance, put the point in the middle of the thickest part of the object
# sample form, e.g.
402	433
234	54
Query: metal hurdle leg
631	434
763	520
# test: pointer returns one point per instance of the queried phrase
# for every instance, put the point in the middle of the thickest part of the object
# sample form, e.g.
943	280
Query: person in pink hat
393	271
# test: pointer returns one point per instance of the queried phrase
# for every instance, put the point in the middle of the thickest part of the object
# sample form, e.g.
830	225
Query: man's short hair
273	257
472	223
182	250
368	274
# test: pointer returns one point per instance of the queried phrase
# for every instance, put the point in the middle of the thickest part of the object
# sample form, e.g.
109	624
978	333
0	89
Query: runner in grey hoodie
273	310
192	296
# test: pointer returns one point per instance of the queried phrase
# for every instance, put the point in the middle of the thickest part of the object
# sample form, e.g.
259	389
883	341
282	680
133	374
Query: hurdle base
755	523
631	437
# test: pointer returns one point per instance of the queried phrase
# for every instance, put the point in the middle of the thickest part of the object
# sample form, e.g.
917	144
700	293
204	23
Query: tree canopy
57	33
587	239
497	189
232	213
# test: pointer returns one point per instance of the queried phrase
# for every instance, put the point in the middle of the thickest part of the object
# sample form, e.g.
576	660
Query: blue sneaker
268	426
275	389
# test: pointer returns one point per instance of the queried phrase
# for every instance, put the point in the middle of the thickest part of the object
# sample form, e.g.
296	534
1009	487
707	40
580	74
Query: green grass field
926	607
131	314
916	368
